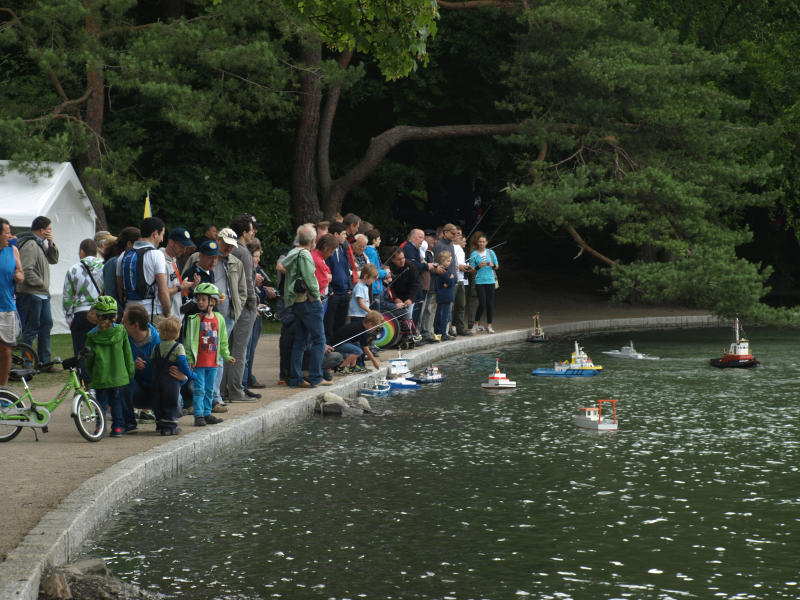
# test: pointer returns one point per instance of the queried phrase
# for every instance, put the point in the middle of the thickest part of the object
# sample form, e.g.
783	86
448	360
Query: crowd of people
337	294
167	326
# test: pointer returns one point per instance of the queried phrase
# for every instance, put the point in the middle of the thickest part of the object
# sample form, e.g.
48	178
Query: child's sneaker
212	420
171	431
116	432
199	422
357	369
489	329
345	370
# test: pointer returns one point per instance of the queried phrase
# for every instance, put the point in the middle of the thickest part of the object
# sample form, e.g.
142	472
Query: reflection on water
455	492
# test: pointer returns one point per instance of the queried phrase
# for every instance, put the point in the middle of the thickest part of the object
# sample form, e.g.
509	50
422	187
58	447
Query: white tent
62	199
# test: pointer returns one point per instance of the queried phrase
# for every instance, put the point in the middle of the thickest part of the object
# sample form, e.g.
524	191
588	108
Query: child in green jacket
206	336
109	360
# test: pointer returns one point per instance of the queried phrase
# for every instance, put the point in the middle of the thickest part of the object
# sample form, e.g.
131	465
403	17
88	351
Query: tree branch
584	246
381	145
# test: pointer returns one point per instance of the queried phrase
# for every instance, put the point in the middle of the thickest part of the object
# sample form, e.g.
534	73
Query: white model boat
398	367
629	352
379	387
498	380
593	418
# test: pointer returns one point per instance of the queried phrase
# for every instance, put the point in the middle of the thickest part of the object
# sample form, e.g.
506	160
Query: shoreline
61	532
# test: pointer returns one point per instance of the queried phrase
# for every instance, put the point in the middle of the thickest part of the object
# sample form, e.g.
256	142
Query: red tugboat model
738	355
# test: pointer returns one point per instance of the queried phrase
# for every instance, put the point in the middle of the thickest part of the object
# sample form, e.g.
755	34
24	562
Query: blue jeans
111	397
348	348
129	396
442	318
310	332
248	378
203	390
37	323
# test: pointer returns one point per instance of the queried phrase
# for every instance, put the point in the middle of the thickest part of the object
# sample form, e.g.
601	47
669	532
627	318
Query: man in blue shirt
10	273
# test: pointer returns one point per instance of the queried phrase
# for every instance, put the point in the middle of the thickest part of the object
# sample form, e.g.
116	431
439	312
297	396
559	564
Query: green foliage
396	34
644	144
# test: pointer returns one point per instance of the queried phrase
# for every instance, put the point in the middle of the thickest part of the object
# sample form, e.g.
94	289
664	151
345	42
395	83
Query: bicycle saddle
70	363
18	374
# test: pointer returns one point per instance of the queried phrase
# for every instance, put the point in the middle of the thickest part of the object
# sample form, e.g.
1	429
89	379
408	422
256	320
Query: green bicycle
17	412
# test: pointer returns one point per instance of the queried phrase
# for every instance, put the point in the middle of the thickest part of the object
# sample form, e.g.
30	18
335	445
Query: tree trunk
305	202
93	120
325	127
381	145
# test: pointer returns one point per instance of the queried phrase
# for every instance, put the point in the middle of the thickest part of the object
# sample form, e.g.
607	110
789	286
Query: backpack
132	273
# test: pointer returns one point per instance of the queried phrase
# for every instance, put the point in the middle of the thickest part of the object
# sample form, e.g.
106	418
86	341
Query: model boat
738	354
431	374
379	387
398	367
579	365
593	418
629	352
537	333
401	383
498	380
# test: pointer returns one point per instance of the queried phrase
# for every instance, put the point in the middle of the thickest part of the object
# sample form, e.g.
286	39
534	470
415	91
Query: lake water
454	492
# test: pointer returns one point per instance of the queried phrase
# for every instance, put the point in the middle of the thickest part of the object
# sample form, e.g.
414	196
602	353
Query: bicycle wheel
22	354
7	431
89	418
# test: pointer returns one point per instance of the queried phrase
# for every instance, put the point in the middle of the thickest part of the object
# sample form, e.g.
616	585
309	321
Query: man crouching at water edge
301	295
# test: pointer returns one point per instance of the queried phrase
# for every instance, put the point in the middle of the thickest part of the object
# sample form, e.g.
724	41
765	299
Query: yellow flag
147	213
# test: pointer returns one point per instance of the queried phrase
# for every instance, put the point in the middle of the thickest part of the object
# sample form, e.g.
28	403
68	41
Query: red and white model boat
498	380
593	418
738	355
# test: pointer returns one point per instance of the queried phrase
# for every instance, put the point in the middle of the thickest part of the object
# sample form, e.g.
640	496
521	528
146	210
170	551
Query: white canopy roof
61	198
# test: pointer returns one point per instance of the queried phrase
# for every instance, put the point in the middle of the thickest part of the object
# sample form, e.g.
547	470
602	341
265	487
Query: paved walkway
38	476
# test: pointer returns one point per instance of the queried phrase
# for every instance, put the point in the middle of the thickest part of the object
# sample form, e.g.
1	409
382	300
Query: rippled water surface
454	492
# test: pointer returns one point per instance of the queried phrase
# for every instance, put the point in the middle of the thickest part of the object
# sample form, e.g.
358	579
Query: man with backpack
142	272
37	252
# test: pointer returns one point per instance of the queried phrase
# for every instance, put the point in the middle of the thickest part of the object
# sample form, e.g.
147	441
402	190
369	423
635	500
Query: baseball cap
210	248
228	236
253	219
179	234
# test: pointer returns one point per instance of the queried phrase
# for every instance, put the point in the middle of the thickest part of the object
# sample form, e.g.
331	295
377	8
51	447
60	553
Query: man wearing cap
231	388
178	243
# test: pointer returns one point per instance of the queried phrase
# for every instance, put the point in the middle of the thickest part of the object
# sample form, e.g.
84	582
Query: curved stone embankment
59	535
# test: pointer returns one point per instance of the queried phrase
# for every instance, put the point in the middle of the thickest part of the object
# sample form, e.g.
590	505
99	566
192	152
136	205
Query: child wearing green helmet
109	360
206	336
